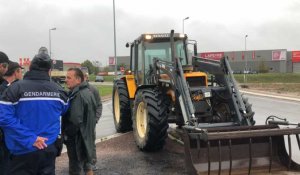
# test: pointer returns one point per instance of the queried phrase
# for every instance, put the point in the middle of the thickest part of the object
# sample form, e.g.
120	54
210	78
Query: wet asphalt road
105	126
264	107
120	155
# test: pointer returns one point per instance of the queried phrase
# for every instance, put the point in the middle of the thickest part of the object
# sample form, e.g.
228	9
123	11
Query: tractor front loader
237	146
201	97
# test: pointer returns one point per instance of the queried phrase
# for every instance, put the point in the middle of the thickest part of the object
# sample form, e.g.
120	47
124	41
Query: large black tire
121	107
150	121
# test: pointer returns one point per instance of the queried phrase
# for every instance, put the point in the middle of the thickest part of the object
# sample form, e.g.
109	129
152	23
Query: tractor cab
149	46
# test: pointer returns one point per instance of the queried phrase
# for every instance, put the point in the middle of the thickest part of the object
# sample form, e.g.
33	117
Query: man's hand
40	142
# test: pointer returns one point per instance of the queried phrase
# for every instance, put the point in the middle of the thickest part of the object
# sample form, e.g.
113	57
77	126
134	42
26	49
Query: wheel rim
141	120
117	106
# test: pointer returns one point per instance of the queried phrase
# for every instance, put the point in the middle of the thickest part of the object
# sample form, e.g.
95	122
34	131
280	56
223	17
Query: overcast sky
85	27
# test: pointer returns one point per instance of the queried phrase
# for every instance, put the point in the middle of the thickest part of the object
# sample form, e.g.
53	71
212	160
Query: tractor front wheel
149	119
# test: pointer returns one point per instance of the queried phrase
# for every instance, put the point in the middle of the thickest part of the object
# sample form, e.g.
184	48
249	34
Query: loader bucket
240	150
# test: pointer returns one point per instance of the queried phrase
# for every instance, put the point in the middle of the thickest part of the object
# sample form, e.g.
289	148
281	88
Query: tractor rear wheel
121	107
149	119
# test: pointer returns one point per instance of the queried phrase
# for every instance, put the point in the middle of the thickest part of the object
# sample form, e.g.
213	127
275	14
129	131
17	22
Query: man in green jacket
79	124
96	94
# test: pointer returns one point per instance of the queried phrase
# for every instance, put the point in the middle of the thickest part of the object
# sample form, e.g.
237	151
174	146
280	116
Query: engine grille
196	81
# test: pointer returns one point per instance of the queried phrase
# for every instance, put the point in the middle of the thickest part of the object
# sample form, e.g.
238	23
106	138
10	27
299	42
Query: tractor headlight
148	37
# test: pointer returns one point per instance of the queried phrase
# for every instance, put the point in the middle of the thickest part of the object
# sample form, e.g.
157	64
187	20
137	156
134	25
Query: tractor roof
160	36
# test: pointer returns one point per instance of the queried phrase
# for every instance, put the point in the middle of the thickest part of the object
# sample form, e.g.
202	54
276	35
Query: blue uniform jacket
29	108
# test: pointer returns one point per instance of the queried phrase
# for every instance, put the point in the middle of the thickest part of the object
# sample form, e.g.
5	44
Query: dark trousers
4	158
76	165
95	150
41	162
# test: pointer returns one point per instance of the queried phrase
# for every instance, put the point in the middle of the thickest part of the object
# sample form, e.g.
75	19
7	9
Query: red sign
28	61
212	55
253	55
295	56
232	55
24	61
278	55
111	60
243	55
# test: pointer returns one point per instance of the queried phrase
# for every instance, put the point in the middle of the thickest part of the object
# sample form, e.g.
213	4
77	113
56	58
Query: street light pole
115	45
50	40
186	18
246	61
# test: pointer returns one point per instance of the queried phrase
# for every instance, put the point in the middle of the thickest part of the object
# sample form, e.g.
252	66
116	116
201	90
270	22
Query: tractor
168	83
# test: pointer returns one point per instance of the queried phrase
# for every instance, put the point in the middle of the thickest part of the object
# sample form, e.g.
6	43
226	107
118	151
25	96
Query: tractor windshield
162	51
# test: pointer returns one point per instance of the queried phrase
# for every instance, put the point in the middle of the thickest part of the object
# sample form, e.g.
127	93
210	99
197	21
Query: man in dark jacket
4	153
30	117
4	61
79	124
97	96
13	74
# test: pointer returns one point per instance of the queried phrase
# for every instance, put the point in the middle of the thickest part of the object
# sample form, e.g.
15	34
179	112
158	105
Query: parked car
250	72
237	72
99	78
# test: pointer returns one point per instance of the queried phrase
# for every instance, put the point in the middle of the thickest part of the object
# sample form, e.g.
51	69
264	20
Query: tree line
95	68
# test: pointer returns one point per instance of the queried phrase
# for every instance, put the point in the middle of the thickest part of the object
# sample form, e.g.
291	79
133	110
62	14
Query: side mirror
195	49
194	42
127	45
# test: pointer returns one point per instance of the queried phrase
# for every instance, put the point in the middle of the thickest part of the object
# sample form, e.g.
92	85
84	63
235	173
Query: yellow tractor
58	76
201	97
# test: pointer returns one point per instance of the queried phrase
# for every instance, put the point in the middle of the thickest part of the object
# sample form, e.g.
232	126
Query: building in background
57	64
68	65
25	63
122	61
250	61
295	61
278	60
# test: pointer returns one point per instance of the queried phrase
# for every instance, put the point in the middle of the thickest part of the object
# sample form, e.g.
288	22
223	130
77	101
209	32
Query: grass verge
105	90
109	78
269	78
282	83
